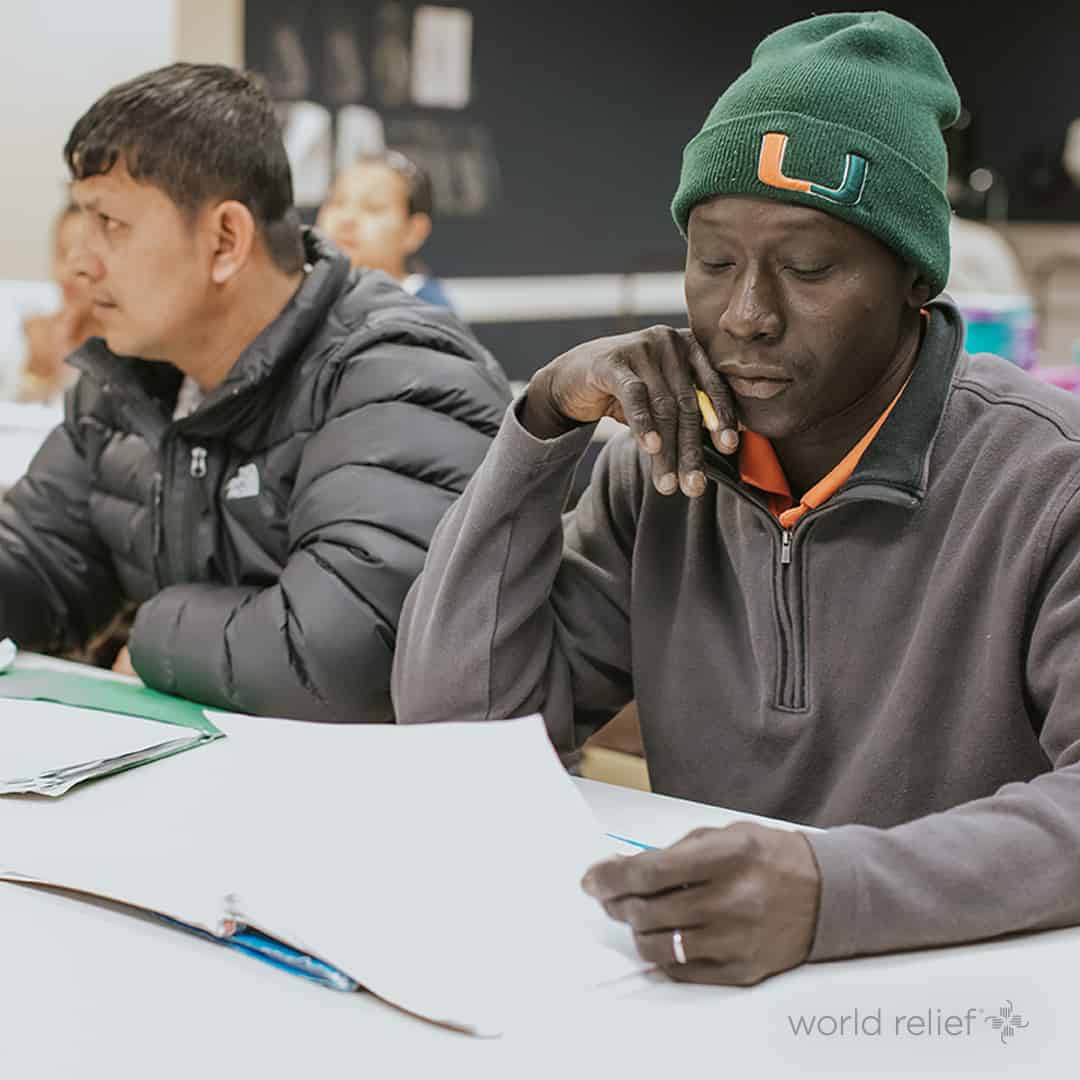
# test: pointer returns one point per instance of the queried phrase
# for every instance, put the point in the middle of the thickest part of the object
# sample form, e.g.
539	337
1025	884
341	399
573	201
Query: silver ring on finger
677	947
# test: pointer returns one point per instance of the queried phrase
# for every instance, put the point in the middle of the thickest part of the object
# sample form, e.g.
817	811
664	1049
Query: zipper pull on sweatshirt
785	548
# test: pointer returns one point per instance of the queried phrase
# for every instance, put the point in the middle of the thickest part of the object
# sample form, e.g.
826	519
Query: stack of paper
47	749
58	729
438	867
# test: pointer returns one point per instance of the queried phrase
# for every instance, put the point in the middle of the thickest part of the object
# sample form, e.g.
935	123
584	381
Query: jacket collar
896	465
899	457
286	337
276	347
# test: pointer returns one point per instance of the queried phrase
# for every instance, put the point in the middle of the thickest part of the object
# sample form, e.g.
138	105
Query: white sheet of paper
439	866
38	737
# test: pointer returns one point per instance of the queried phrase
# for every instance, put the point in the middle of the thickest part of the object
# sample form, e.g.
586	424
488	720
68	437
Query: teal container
1004	325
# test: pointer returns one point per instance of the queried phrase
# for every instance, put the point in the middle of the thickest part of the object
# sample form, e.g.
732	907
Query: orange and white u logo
771	172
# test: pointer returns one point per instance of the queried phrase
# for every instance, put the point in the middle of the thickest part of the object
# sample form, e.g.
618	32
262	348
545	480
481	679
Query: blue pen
632	843
262	947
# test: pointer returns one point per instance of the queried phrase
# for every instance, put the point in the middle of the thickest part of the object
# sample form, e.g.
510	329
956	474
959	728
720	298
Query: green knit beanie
842	113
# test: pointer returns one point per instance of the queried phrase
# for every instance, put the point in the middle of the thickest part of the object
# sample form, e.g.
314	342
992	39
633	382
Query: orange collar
760	467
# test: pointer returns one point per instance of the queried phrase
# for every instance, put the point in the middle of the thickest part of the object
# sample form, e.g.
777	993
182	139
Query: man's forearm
986	868
251	650
476	632
33	612
57	581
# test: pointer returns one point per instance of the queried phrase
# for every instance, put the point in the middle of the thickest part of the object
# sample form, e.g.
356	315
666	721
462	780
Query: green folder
109	695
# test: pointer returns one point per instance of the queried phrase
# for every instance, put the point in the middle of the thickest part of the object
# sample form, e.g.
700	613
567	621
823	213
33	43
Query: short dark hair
198	132
417	180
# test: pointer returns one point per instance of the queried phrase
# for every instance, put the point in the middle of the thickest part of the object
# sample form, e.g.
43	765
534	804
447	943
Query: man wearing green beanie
856	609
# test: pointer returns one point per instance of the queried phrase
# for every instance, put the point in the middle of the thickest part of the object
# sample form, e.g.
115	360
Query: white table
89	992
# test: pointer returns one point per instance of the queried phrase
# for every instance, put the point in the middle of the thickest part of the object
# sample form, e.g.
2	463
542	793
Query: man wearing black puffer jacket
259	449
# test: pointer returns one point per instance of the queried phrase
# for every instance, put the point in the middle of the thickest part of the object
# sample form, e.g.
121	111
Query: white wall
56	58
210	31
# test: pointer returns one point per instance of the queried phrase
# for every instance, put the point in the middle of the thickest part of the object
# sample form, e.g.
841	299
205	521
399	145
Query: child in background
379	213
50	339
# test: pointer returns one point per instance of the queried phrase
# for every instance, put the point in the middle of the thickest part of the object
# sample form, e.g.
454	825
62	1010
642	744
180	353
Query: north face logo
244	484
771	172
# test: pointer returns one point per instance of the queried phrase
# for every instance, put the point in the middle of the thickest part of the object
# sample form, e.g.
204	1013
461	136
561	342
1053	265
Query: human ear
918	290
232	239
416	233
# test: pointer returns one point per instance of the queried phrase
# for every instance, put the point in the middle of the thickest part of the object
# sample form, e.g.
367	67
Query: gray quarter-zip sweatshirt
901	667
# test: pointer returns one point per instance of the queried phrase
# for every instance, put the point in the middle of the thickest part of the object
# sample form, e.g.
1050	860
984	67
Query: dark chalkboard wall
583	109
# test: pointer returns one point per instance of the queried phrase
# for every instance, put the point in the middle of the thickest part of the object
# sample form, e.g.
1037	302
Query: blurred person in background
983	261
379	213
52	338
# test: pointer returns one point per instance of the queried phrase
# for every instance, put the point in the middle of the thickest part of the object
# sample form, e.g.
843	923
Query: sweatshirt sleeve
518	609
1008	862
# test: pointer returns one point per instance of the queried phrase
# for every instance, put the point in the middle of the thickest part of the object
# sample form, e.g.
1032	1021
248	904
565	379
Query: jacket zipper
194	504
790	689
791	668
157	527
792	674
180	562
